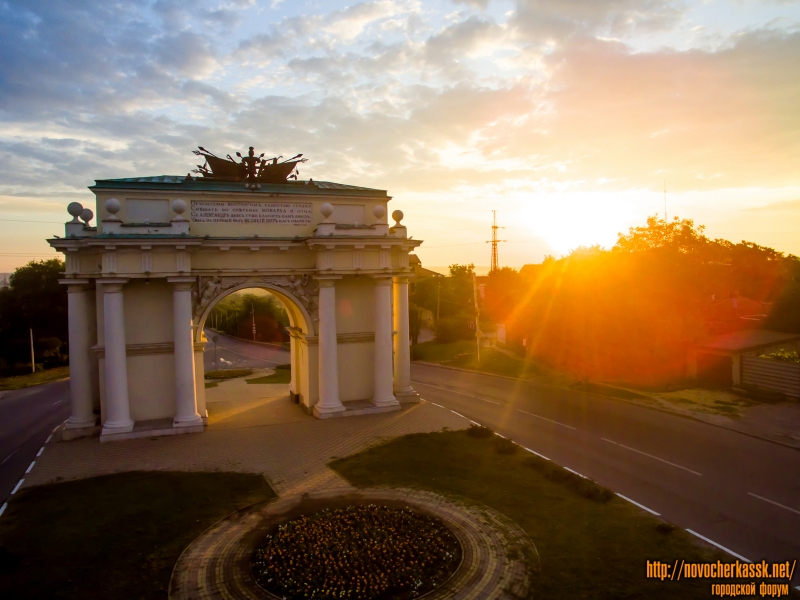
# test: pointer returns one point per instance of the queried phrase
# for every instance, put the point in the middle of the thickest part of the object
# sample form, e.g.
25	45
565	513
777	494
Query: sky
567	117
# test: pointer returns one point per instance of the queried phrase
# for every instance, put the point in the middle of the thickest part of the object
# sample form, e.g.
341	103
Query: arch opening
255	325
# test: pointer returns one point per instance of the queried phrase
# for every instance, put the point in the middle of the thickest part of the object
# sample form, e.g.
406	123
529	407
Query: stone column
329	402
183	342
118	412
383	343
402	352
80	368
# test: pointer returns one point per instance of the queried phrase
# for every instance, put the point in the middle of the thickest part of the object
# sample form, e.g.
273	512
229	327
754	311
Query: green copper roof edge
236	187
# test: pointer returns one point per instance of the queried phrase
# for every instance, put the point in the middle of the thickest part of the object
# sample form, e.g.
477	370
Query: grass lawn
228	373
38	378
592	544
464	354
116	536
282	374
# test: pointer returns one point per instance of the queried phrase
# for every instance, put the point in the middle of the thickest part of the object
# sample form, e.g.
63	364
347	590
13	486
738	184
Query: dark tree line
34	300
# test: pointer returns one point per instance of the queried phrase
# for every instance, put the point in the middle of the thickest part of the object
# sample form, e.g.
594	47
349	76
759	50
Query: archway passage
252	325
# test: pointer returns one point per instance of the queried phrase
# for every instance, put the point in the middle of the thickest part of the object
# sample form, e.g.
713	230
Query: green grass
116	536
38	378
592	544
464	354
279	376
228	373
282	374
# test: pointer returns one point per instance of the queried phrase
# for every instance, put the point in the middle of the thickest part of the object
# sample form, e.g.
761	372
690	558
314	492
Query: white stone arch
302	358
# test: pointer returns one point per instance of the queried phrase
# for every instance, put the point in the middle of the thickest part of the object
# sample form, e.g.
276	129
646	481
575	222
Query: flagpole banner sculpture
166	249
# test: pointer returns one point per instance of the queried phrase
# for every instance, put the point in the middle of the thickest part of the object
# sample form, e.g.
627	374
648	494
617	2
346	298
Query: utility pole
33	362
494	241
438	289
253	312
665	200
478	333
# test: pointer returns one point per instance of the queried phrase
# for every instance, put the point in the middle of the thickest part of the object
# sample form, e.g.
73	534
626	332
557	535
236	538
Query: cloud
555	19
784	205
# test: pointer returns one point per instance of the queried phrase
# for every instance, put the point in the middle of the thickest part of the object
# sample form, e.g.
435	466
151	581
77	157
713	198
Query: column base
408	396
81	423
149	429
73	433
115	428
381	403
326	413
190	422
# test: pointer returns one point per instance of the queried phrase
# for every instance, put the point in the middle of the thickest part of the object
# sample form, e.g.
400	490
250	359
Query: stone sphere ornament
179	207
112	206
327	210
75	209
397	216
379	211
86	216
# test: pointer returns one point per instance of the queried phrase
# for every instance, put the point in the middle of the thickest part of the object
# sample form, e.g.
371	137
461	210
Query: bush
451	329
783	355
479	431
504	446
580	485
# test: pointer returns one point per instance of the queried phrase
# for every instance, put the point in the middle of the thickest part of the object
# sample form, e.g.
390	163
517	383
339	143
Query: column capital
75	285
401	278
326	281
182	283
112	285
382	279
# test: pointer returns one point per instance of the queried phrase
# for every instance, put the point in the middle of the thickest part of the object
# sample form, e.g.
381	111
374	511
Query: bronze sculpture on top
253	170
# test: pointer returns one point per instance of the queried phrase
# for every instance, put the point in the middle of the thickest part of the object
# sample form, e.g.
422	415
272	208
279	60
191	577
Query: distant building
4	280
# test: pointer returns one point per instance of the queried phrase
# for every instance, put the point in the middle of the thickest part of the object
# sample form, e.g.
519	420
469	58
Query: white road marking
720	546
30	467
773	502
49	437
39	453
56	428
19	483
576	473
434	403
642	506
524	412
459	414
9	456
500	435
54	403
536	453
2	510
650	456
457	392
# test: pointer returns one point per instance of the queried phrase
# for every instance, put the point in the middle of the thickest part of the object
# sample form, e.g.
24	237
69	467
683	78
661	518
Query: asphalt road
27	418
233	353
737	491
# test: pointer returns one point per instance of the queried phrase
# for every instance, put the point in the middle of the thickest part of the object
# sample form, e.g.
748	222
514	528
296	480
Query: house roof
747	339
179	183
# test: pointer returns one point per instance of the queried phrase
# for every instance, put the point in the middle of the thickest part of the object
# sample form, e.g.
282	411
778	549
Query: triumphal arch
167	248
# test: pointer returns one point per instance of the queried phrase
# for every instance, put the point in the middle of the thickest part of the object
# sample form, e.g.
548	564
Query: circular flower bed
364	552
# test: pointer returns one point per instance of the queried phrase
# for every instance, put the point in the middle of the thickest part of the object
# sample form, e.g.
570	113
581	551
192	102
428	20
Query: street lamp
253	313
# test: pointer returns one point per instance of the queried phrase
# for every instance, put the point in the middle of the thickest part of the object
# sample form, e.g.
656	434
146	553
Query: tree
34	300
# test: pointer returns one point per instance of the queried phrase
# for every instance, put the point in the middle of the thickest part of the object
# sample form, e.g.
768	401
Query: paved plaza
252	428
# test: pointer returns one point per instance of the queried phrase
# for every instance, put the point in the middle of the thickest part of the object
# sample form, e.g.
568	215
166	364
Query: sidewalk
253	428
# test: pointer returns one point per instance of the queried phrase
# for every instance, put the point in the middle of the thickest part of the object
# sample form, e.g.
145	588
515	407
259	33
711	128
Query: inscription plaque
279	213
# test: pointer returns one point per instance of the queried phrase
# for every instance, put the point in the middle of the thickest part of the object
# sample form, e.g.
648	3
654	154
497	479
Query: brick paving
253	428
497	554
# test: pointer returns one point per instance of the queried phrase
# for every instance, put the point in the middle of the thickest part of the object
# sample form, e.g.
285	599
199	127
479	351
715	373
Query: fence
771	375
